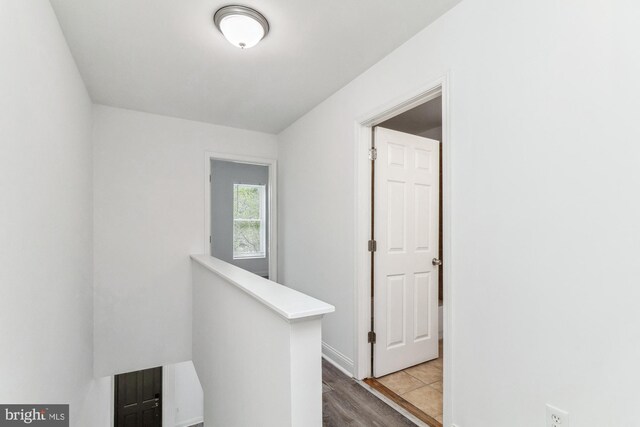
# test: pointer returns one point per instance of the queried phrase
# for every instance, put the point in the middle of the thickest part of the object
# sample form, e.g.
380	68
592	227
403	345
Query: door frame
272	205
363	141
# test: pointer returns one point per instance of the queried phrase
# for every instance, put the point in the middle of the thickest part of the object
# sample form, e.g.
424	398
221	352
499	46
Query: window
249	206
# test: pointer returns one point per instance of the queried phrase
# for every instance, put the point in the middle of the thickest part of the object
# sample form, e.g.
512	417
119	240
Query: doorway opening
240	212
403	299
173	392
138	398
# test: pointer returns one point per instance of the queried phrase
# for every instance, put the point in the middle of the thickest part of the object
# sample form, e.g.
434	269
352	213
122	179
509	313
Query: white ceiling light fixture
242	26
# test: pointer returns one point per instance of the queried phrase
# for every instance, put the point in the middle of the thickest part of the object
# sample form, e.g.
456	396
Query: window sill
249	257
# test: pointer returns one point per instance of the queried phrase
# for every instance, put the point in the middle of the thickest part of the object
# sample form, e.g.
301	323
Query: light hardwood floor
347	403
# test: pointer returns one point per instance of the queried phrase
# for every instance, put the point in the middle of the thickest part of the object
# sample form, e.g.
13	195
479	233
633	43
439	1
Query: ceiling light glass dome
243	27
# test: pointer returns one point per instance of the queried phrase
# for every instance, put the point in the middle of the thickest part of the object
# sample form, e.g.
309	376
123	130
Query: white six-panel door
406	230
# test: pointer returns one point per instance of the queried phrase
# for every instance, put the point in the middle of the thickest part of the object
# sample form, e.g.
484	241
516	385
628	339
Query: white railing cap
285	301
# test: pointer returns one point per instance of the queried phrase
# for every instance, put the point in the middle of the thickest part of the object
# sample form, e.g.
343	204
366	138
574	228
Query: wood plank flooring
347	403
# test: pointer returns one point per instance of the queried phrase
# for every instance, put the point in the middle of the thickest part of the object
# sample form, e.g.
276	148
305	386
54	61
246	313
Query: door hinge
372	245
373	153
371	337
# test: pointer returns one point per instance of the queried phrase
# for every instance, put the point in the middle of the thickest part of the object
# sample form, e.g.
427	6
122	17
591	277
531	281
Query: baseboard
337	359
192	421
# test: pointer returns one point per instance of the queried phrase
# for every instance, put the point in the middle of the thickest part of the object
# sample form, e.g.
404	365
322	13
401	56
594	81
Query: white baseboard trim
190	422
337	359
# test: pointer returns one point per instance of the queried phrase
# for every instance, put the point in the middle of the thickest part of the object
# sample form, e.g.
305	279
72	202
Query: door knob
436	261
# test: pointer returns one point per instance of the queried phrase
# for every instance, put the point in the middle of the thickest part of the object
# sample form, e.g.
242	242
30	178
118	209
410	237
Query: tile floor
420	385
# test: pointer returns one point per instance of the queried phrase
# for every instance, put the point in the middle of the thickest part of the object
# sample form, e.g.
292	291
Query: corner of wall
337	359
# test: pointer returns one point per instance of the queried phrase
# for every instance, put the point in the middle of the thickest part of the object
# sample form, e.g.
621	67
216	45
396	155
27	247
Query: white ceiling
419	119
166	56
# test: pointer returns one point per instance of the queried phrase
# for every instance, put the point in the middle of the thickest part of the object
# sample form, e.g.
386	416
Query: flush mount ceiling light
242	26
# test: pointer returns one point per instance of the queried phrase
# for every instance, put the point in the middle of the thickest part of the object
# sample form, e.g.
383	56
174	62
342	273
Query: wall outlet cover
557	417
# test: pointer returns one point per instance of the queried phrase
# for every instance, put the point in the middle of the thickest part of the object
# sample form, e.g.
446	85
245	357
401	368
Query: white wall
46	312
148	217
188	403
544	101
182	396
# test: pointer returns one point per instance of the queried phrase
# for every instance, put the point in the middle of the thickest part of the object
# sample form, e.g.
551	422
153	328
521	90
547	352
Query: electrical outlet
557	417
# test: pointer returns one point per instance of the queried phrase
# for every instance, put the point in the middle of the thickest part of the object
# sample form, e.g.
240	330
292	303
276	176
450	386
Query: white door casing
406	230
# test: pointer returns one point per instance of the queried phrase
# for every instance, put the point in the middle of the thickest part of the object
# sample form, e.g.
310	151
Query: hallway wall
149	175
46	309
544	102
